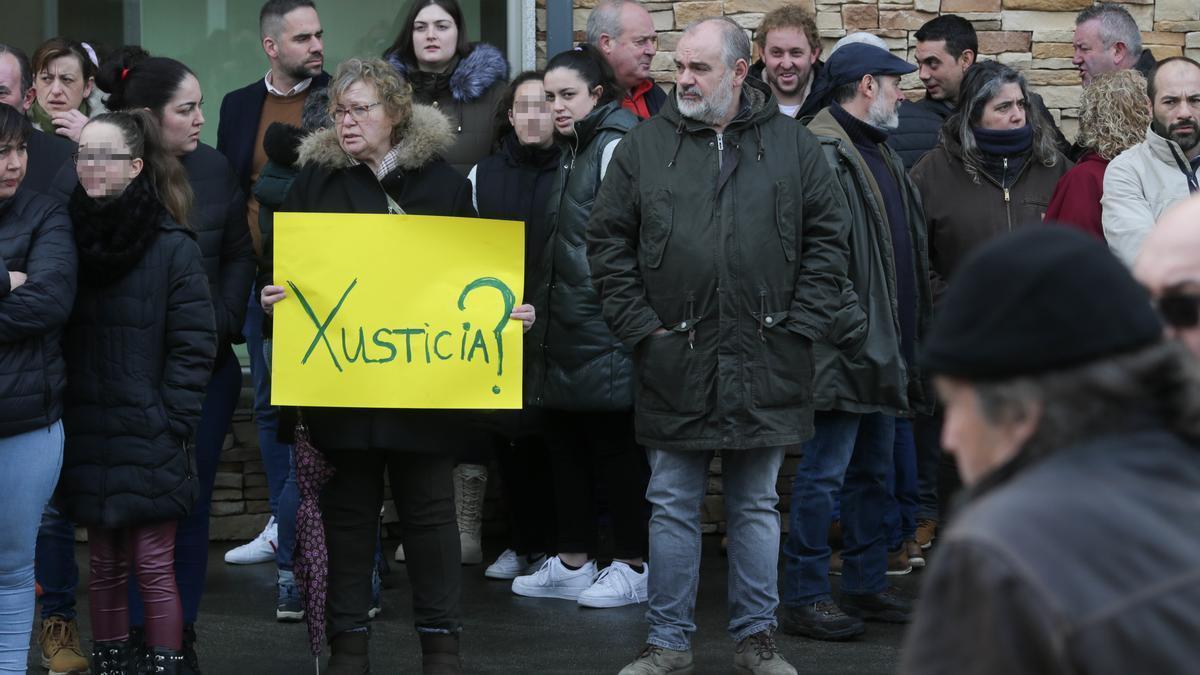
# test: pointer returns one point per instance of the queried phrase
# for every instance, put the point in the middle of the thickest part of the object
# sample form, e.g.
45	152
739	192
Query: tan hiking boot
926	532
655	660
59	641
758	655
898	562
470	488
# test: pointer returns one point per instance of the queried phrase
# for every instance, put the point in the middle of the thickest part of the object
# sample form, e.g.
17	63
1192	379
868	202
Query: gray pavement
503	633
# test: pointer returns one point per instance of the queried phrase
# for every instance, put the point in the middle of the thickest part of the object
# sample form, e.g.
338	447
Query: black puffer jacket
218	219
35	238
139	347
920	125
578	364
467	93
421	184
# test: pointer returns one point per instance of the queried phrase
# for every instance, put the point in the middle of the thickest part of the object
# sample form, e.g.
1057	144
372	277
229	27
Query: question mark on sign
510	301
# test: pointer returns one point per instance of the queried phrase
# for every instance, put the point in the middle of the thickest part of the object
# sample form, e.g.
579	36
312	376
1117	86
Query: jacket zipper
720	151
1007	199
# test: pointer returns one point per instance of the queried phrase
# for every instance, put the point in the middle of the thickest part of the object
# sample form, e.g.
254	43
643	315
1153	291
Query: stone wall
1032	35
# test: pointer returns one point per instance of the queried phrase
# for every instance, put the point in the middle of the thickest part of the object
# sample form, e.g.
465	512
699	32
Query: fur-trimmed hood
472	76
429	135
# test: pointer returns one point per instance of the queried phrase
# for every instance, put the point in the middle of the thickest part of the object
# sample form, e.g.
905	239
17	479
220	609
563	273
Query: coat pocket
783	367
671	373
785	219
656	228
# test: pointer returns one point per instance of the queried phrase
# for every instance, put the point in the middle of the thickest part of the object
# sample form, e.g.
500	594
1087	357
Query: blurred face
706	90
885	108
299	49
182	119
1006	110
788	60
103	161
978	444
530	114
940	72
10	84
435	38
630	55
363	127
1169	267
1177	106
61	85
1091	57
13	162
569	98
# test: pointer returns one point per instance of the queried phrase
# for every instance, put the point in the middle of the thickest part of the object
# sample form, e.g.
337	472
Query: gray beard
710	110
1186	143
883	115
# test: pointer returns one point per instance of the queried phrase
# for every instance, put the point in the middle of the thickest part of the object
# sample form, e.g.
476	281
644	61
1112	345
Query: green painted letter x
321	326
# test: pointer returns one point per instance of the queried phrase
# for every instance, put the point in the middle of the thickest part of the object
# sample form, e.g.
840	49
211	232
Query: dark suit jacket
47	154
241	111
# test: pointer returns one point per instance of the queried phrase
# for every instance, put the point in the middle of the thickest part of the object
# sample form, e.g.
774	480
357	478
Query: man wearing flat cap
860	394
1076	426
718	245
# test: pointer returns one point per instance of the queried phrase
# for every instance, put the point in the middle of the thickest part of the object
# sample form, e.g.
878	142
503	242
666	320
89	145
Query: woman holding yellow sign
381	155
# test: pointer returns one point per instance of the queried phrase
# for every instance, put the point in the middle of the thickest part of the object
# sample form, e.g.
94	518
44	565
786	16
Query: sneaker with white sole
511	565
616	586
261	549
554	580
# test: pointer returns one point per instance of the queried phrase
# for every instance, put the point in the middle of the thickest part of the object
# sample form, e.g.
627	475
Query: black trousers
598	449
423	490
525	476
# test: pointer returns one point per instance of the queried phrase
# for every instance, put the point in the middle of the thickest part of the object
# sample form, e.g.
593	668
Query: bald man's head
1169	266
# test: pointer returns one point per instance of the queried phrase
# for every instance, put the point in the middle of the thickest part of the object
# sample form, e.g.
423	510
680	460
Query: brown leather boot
348	654
439	654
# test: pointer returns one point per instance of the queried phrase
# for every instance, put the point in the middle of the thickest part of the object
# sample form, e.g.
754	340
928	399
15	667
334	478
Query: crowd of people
773	253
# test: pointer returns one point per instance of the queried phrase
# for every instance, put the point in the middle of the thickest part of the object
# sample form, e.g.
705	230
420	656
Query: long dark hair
167	177
501	127
402	48
134	79
592	68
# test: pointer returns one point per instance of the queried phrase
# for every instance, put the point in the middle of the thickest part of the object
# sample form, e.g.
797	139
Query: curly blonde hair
395	93
1114	113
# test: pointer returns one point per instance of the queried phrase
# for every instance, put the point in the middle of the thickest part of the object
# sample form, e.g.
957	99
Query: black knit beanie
1041	299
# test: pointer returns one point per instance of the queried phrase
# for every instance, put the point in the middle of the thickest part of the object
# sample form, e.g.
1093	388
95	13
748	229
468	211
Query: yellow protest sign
388	311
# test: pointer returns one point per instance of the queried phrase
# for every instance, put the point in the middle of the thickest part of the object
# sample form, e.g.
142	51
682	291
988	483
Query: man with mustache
860	395
790	48
624	33
718	245
293	41
1142	182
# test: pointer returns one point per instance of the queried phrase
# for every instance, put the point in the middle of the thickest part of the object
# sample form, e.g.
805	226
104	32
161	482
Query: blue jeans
55	566
927	430
900	520
191	540
276	456
678	482
850	453
29	468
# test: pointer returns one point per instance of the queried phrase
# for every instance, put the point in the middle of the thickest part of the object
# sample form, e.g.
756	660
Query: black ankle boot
111	658
191	662
348	654
439	654
163	661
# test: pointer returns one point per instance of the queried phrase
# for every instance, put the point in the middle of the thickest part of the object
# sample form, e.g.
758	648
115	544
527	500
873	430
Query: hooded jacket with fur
467	93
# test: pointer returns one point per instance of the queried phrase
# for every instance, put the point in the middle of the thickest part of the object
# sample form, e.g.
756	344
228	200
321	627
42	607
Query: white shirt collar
300	86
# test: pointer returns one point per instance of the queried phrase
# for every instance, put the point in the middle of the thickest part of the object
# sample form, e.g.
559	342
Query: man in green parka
718	245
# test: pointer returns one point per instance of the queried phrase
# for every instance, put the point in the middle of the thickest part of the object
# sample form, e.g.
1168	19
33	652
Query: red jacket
1076	200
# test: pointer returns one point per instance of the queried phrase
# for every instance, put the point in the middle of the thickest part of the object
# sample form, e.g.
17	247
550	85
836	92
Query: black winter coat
468	94
218	219
515	184
920	125
422	184
47	154
35	238
139	348
577	362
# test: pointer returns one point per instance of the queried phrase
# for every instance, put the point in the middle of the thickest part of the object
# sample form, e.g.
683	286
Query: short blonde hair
395	93
1114	113
789	16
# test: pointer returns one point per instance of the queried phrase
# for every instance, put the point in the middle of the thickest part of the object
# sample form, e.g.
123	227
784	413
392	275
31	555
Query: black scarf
529	155
112	234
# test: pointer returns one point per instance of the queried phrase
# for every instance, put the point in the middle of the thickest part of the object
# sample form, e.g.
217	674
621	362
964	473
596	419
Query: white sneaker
261	549
616	586
554	580
510	565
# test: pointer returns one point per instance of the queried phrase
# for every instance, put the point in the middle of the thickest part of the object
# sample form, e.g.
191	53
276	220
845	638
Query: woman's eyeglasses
98	157
358	112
